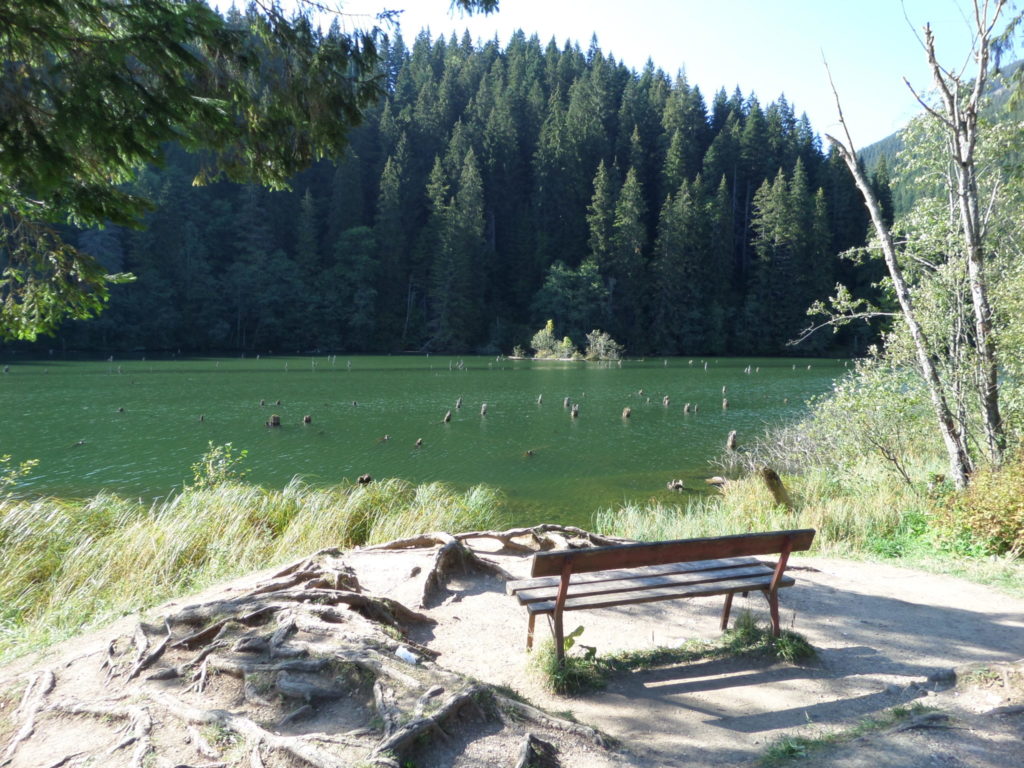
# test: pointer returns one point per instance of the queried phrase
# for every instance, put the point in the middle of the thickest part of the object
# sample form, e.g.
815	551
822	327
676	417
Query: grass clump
581	673
789	748
71	564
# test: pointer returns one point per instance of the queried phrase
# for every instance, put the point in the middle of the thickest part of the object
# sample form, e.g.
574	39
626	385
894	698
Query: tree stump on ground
778	490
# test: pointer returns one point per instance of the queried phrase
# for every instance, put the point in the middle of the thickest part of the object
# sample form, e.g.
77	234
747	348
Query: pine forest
493	189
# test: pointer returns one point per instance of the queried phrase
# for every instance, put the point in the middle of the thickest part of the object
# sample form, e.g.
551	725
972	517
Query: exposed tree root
387	710
523	711
66	760
144	660
298	747
202	746
39	685
537	536
138	729
455	557
402	738
307	650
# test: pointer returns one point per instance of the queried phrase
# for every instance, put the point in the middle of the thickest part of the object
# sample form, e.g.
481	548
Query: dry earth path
885	636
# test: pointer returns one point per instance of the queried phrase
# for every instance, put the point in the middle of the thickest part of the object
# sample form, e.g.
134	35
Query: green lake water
67	414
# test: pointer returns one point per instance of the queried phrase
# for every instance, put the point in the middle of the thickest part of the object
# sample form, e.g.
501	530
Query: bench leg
725	611
773	608
529	631
559	638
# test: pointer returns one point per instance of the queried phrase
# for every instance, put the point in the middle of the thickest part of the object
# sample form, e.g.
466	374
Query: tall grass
67	565
847	520
865	512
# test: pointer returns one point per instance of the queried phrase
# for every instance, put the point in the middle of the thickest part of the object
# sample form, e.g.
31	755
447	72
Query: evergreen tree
394	281
601	218
352	283
625	273
576	299
684	310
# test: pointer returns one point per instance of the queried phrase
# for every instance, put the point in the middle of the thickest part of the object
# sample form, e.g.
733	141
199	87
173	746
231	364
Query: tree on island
544	343
601	346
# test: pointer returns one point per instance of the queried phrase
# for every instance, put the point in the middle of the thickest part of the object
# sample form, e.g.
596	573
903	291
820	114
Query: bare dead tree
958	115
956	449
959	118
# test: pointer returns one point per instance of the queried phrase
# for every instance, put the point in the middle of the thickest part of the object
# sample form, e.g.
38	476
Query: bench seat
650	594
597	578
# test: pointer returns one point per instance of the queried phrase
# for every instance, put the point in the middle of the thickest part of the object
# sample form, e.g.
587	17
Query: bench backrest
677	551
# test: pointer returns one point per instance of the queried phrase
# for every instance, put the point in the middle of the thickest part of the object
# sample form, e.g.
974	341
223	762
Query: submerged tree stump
730	441
274	421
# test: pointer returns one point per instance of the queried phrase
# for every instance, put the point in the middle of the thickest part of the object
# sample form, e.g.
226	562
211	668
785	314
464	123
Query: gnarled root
139	724
307	645
295	746
401	739
39	684
455	557
523	711
537	538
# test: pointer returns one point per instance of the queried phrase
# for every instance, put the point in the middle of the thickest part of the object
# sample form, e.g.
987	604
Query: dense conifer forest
490	190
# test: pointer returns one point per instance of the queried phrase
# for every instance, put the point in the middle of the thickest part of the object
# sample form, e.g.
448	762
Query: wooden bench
602	577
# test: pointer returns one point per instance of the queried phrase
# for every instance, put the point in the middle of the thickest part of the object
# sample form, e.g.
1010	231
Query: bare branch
837	322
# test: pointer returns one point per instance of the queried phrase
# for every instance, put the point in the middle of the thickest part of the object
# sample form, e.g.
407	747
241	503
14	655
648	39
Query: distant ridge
1001	87
1000	91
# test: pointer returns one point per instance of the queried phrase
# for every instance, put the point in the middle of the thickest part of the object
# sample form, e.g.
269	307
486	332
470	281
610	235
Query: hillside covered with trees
490	190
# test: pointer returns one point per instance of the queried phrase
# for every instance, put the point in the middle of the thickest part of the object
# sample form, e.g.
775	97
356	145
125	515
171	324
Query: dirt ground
885	636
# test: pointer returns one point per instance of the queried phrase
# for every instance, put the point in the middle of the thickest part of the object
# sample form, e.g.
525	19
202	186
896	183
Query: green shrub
220	464
988	518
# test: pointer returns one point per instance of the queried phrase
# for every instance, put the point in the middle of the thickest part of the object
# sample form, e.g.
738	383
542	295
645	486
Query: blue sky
769	47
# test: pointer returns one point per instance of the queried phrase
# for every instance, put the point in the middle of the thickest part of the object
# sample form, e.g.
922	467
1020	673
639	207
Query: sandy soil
885	636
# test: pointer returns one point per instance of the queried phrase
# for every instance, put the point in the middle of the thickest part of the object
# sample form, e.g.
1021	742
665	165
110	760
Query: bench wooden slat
664	593
660	552
639	582
514	587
